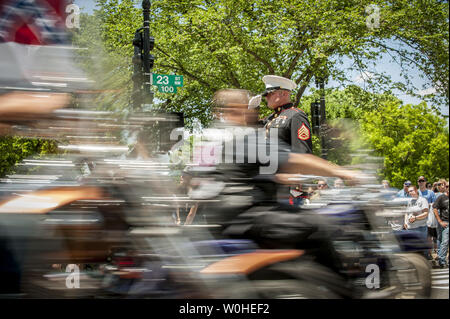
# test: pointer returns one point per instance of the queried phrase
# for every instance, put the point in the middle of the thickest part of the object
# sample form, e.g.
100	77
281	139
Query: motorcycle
332	251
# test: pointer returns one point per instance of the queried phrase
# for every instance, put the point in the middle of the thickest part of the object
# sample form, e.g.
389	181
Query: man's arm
436	214
423	215
436	206
30	103
301	139
308	164
405	221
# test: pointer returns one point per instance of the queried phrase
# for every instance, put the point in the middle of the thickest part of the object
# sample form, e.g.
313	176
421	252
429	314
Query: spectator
310	192
388	192
441	187
404	192
181	210
431	223
185	211
429	186
435	188
440	209
424	192
322	184
296	196
417	214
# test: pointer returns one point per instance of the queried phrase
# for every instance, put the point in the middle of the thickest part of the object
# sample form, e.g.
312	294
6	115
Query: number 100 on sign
167	89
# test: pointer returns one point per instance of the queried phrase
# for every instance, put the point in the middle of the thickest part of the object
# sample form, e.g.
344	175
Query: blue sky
86	5
384	66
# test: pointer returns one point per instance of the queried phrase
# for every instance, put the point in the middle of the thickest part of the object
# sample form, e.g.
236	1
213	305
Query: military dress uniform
293	127
292	124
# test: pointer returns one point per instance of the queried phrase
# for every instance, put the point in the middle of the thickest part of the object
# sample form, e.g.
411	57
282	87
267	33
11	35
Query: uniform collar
281	108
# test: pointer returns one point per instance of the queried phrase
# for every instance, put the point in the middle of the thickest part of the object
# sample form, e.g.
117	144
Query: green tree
412	139
233	43
15	149
344	110
224	43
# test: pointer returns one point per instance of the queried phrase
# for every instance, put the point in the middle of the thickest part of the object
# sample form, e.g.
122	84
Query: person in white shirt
417	215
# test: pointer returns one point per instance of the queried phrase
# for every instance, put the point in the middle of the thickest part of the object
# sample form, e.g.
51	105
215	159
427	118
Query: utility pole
137	70
323	118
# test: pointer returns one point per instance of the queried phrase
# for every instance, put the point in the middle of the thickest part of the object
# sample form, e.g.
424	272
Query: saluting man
292	123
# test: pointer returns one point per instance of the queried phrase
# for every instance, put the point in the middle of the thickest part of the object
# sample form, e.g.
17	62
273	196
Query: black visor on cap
269	90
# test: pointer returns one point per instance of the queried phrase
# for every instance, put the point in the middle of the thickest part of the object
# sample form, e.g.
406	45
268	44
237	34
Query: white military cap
275	82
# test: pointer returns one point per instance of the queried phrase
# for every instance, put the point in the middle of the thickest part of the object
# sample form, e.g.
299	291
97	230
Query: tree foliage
413	140
233	43
345	109
15	149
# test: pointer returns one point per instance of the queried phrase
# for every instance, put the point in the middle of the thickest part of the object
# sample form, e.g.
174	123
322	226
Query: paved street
439	283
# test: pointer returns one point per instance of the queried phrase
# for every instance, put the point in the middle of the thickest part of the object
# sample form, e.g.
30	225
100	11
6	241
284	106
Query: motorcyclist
250	166
37	66
248	171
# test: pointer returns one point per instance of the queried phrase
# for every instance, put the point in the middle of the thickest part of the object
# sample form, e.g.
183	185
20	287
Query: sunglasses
320	185
439	184
407	184
421	180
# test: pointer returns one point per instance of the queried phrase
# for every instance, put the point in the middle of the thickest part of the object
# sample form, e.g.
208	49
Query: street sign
167	83
167	89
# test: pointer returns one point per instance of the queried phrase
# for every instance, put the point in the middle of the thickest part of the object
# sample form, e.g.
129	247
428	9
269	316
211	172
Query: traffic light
151	57
139	60
137	70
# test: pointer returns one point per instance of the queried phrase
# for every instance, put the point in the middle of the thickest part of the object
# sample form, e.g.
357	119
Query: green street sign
165	81
167	89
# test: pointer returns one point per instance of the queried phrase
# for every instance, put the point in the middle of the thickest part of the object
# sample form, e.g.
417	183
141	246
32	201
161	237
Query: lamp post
321	112
143	62
148	59
137	70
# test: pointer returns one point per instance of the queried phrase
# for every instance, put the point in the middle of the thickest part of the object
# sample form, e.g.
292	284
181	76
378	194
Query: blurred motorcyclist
249	170
250	166
36	60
